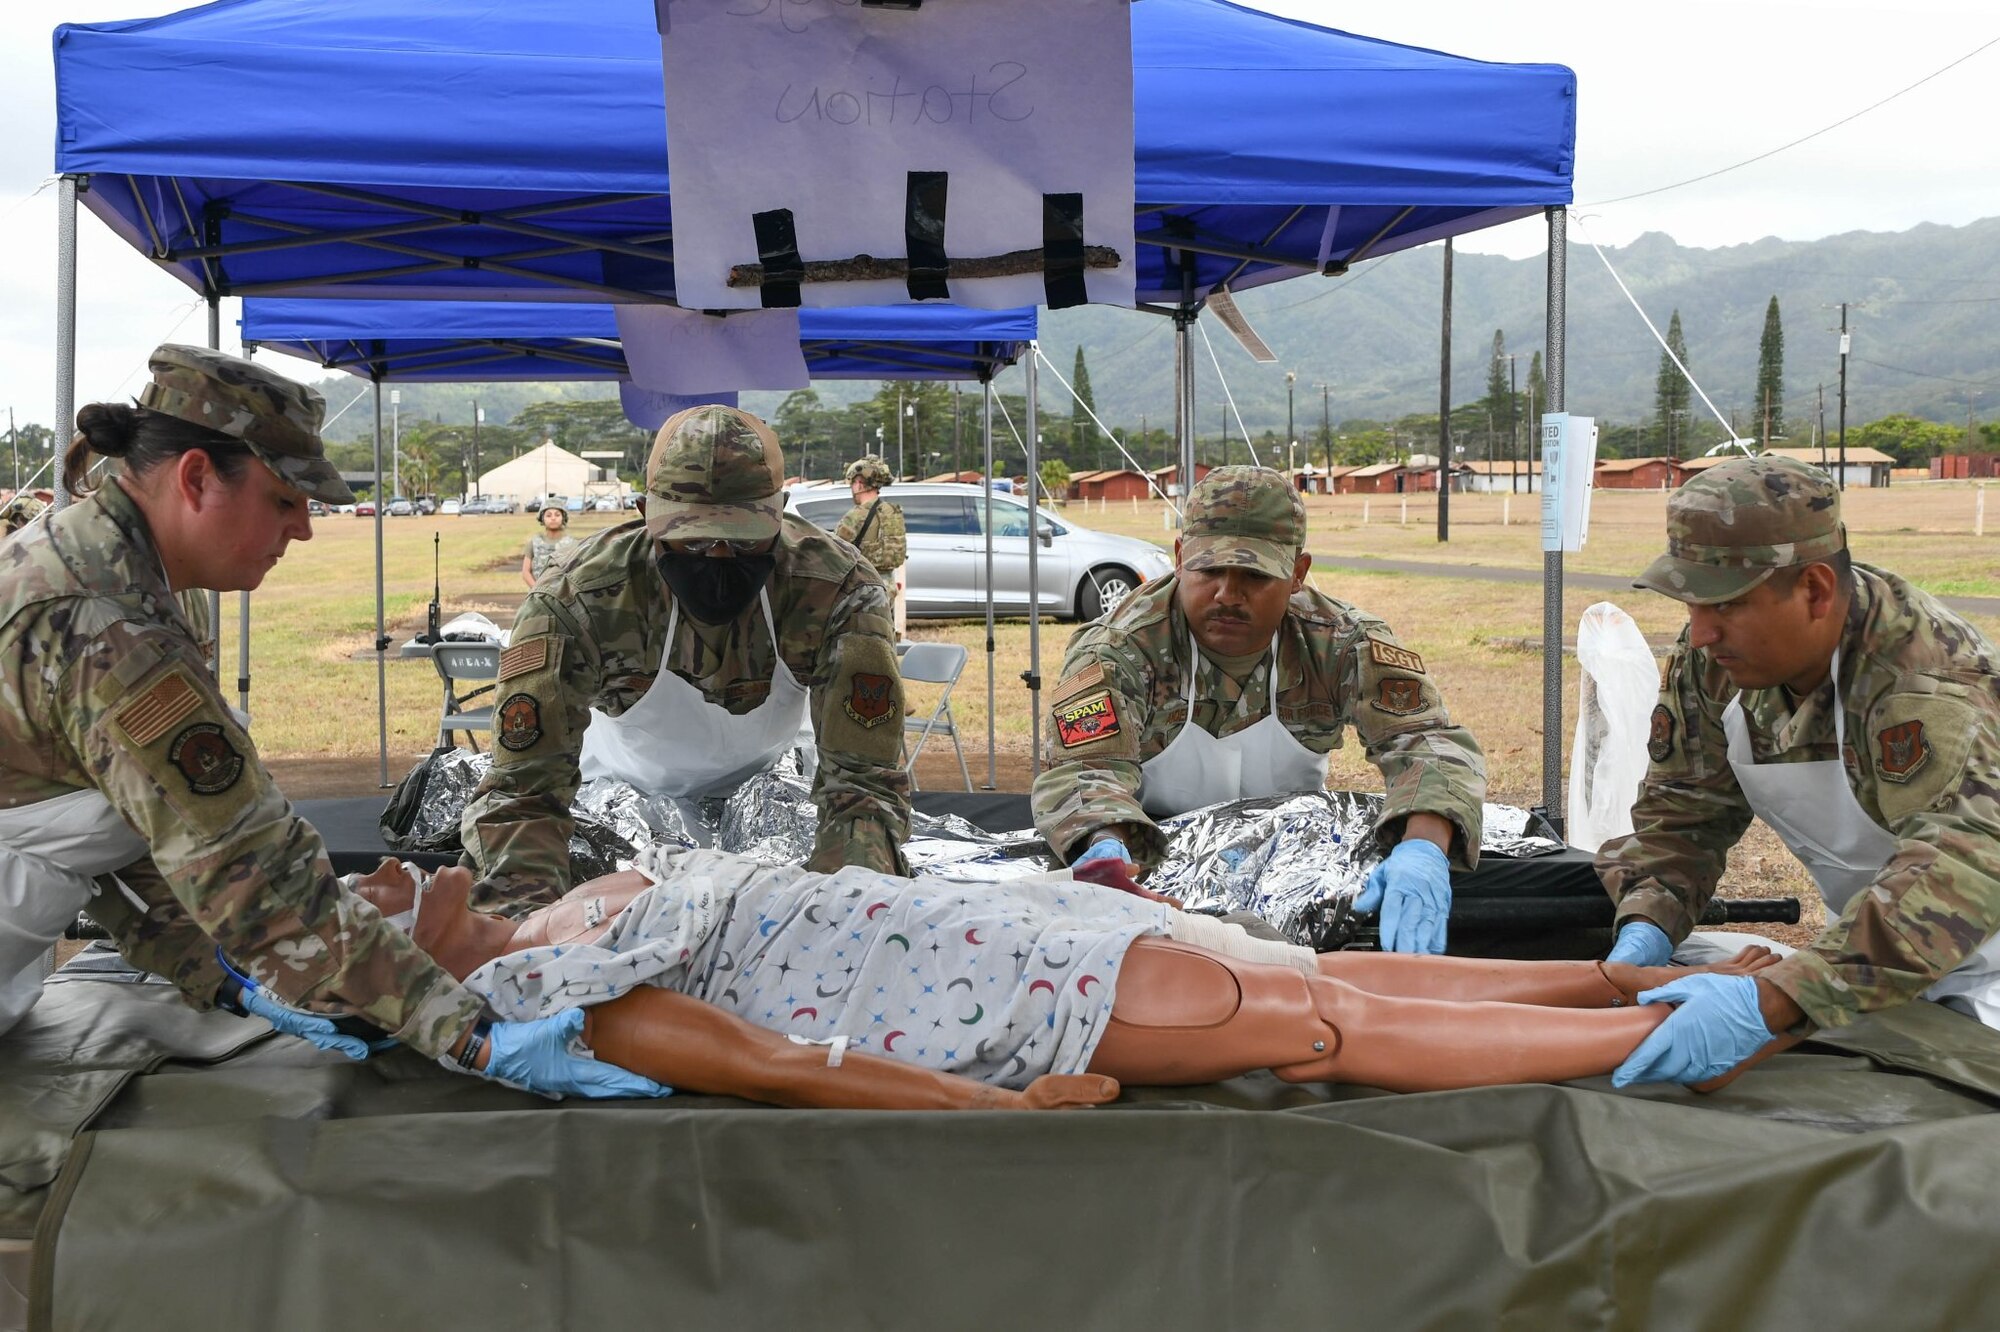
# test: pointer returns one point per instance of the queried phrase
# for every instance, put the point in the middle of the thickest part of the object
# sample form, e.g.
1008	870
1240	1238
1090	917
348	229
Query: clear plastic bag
1607	758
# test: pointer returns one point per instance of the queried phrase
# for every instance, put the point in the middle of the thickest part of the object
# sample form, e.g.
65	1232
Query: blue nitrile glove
1717	1026
1412	891
253	999
536	1056
1643	944
1106	847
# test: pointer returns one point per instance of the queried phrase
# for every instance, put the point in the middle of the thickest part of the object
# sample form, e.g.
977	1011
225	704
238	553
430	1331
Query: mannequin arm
697	1047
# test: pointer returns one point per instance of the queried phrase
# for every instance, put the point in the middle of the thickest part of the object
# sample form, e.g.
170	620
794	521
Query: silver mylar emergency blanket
1296	861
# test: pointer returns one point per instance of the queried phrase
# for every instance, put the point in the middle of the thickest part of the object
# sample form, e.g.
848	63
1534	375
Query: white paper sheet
827	105
649	409
671	350
1569	468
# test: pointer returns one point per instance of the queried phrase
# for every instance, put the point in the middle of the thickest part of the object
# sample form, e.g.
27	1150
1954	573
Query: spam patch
1903	750
1660	736
1400	658
1400	697
517	722
867	702
1087	720
522	658
1087	677
203	755
147	717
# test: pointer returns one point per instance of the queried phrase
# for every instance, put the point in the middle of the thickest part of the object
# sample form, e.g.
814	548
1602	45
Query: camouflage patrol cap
277	418
1733	526
715	472
1244	518
870	471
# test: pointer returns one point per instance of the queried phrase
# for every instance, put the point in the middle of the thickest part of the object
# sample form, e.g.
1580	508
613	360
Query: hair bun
110	427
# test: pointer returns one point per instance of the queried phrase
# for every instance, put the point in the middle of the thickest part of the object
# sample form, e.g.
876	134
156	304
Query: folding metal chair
458	663
939	664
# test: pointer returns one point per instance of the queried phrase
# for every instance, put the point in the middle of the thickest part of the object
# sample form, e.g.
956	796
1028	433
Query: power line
1921	374
1719	171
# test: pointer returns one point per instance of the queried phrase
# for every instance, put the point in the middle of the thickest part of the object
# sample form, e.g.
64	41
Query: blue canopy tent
486	341
468	341
1265	148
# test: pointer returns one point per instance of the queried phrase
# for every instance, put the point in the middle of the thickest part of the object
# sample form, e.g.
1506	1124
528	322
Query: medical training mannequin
1183	1014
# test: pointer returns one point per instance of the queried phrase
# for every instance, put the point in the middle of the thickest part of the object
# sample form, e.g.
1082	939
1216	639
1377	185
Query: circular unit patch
202	754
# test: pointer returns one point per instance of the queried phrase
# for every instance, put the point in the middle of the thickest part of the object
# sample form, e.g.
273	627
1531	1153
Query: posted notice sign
826	153
1569	469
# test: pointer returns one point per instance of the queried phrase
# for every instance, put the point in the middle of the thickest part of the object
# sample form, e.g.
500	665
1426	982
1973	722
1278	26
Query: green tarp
1844	1185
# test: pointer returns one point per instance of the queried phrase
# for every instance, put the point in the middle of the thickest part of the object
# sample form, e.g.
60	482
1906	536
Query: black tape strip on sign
778	251
1062	250
923	234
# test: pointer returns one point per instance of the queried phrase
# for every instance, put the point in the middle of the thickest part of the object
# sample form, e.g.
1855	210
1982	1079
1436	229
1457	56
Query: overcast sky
1665	92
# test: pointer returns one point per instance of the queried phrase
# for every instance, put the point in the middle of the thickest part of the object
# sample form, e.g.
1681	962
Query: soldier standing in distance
874	527
682	653
1857	717
549	544
128	789
1232	678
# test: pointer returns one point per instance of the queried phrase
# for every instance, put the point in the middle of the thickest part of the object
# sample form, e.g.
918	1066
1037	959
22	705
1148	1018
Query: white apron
49	853
1812	808
1197	769
674	742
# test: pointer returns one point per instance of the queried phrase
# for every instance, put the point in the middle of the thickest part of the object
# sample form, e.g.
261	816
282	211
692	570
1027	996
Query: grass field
312	636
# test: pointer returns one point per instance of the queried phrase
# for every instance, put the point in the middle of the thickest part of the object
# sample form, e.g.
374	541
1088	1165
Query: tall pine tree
1498	401
1670	393
1080	427
1768	403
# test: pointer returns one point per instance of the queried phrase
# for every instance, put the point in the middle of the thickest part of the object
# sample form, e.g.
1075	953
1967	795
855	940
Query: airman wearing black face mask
684	652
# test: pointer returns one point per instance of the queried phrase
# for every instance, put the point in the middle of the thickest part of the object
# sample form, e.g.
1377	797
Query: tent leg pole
1184	469
986	474
1552	561
65	419
381	637
1033	676
242	598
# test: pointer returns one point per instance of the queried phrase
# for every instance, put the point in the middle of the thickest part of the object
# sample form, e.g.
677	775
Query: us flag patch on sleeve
522	658
147	717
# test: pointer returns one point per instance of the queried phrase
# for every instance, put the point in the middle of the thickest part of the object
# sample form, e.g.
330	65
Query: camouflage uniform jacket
1337	667
542	552
102	685
887	545
1922	702
593	635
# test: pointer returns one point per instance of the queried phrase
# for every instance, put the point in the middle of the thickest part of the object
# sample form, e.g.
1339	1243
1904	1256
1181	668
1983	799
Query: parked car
426	505
316	508
1081	573
629	500
451	508
574	504
604	504
364	509
400	507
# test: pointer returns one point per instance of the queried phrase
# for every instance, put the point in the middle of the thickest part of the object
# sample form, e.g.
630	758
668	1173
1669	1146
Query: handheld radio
436	586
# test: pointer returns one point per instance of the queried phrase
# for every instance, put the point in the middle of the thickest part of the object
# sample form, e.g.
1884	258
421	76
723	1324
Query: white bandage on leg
836	1049
1233	941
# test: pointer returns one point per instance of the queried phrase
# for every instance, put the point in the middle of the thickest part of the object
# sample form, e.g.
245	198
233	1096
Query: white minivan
1082	573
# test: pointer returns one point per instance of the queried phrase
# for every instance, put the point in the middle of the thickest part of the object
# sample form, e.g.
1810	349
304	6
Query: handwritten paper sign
824	108
685	351
649	409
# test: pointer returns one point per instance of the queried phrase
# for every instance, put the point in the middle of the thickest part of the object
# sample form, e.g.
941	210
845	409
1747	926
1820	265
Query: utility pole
1444	404
1291	431
1821	431
14	447
1844	344
1326	427
396	443
477	417
1766	436
1513	426
1224	405
957	462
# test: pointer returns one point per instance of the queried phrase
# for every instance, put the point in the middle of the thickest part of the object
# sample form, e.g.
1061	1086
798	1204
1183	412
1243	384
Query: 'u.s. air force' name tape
1091	718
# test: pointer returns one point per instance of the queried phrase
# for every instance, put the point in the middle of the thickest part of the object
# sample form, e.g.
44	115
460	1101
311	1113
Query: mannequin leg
1184	1015
694	1046
1499	980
